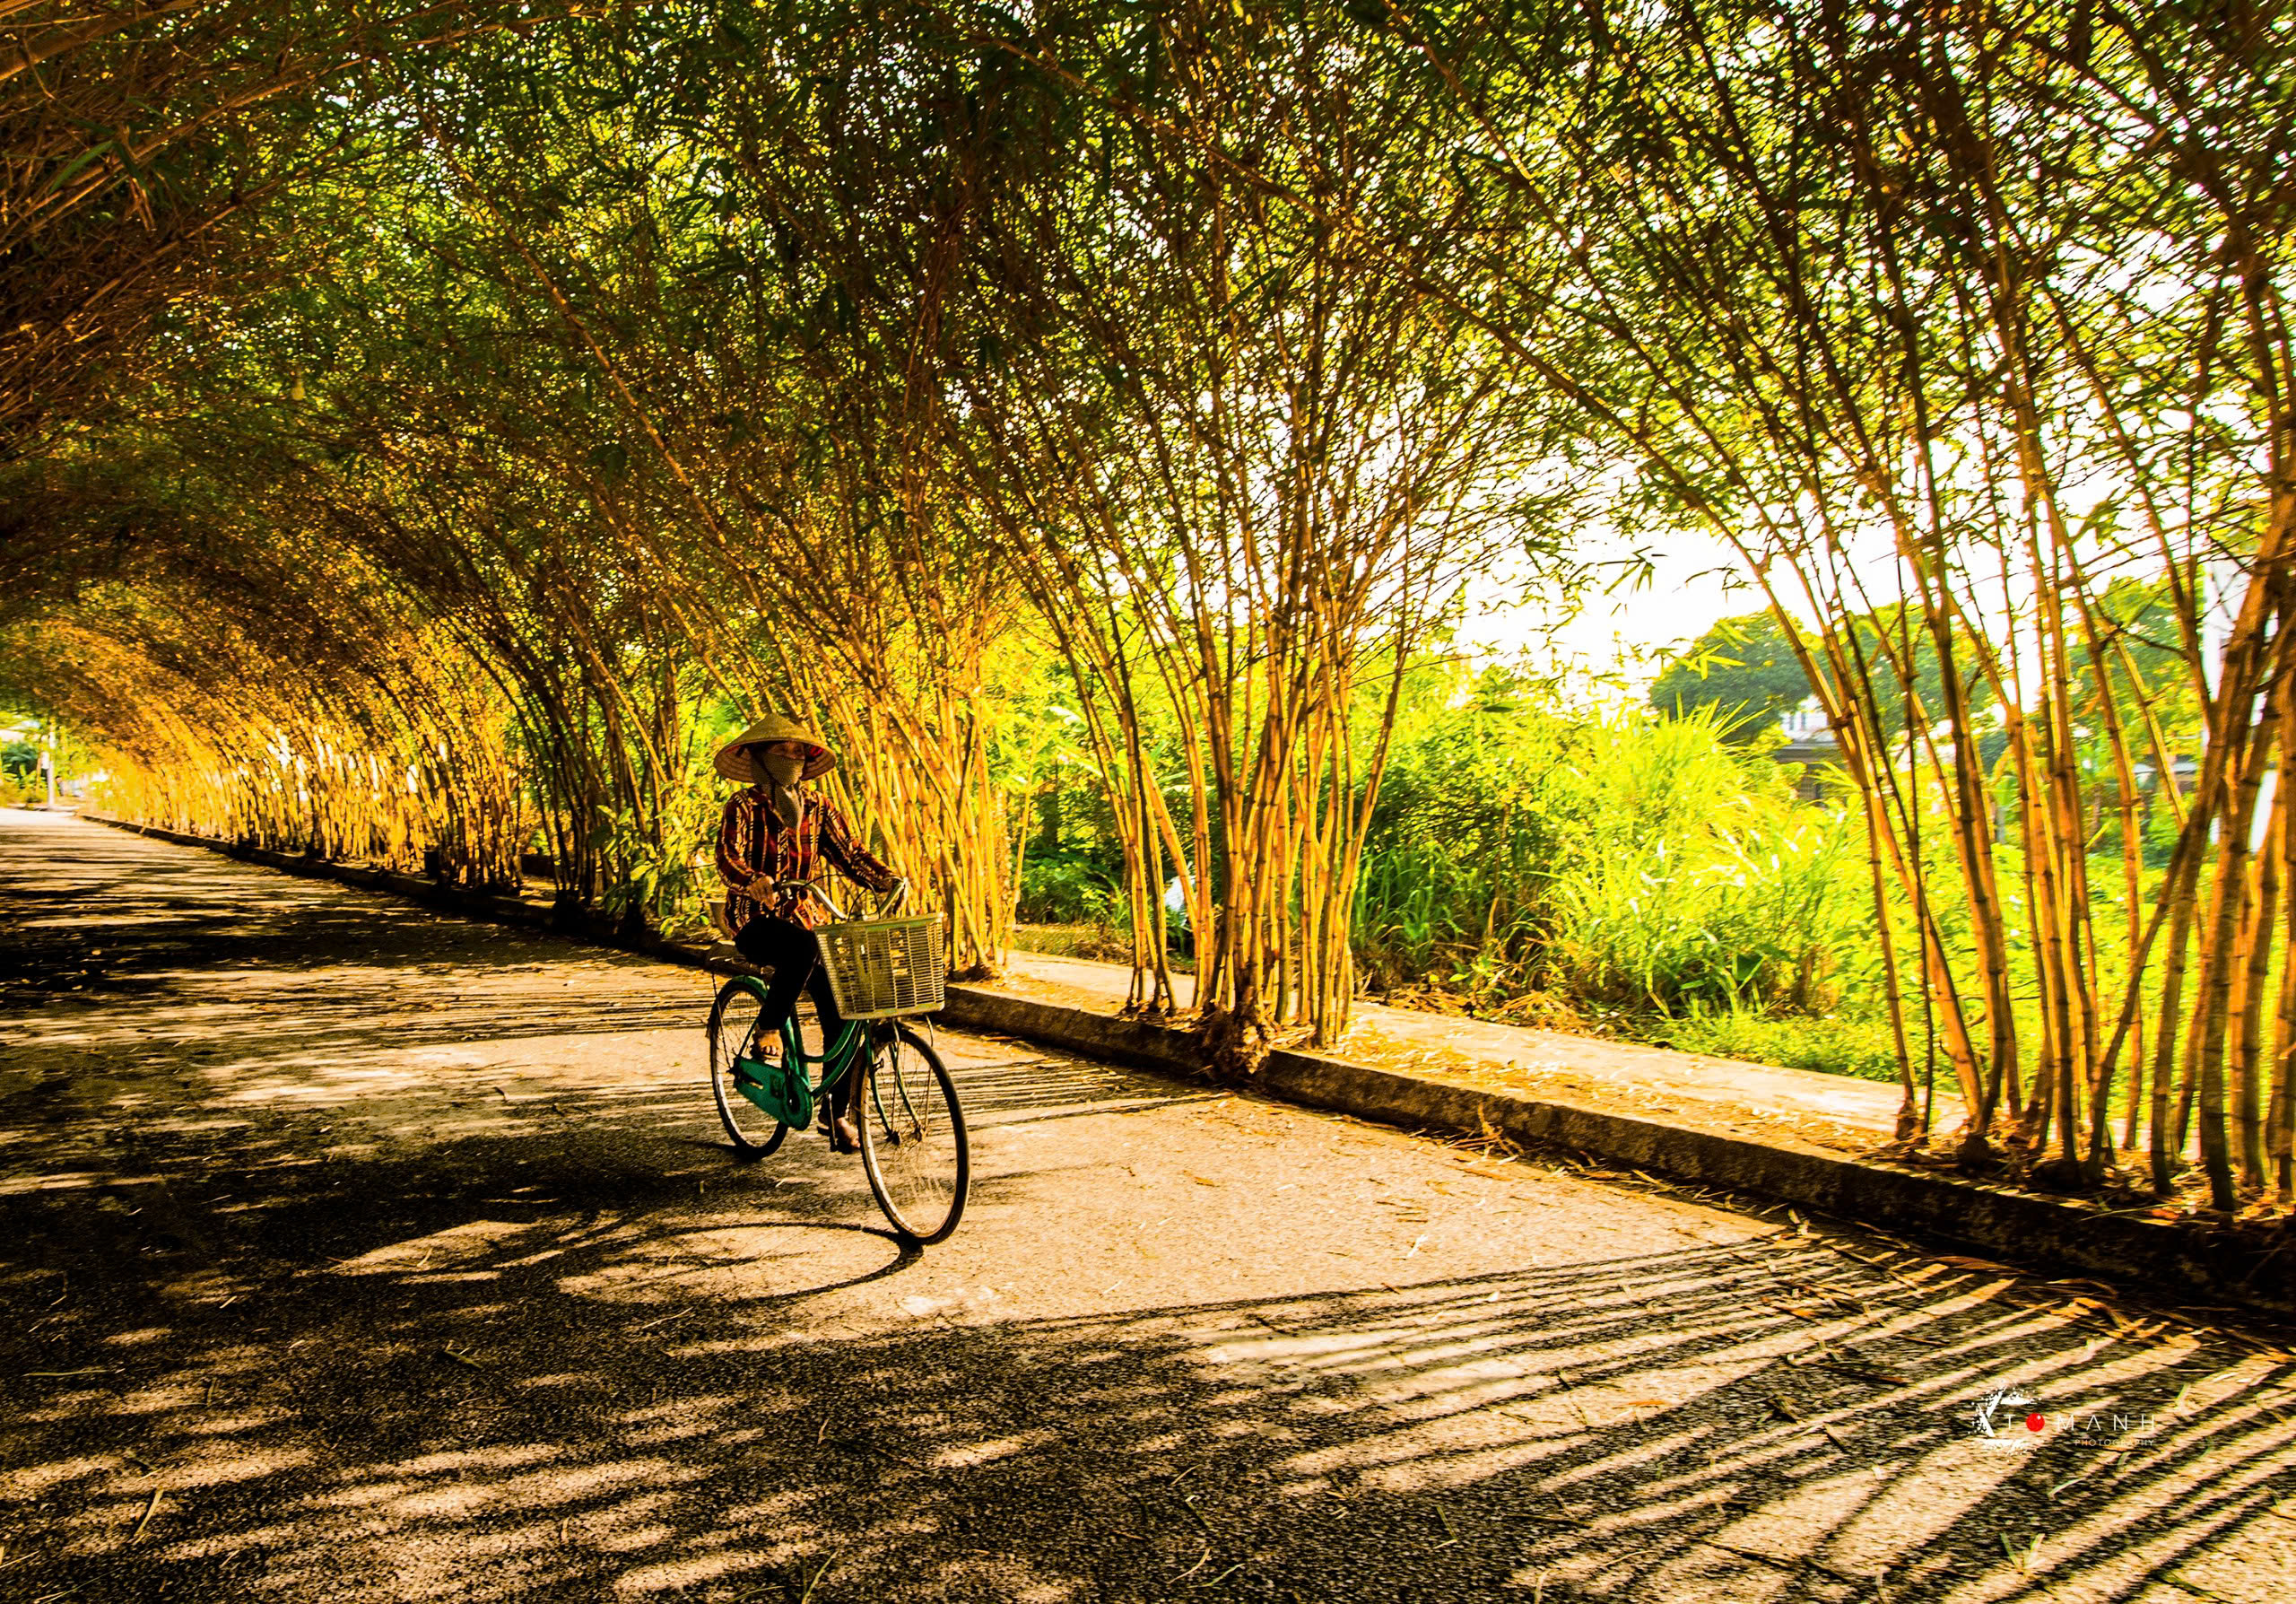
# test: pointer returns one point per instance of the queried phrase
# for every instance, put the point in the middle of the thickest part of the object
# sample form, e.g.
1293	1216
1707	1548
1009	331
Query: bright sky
1621	632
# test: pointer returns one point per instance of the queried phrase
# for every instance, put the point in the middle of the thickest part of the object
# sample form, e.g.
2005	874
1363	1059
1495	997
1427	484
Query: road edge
2165	1262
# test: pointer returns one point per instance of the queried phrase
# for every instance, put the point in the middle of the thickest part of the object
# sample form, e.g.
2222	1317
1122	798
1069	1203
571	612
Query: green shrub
1614	867
1838	1044
1069	888
1613	859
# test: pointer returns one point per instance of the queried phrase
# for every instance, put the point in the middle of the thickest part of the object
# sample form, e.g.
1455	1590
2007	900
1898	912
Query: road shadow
101	922
554	1344
513	1368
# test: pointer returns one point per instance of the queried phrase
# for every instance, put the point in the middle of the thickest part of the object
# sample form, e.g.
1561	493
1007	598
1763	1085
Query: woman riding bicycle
769	843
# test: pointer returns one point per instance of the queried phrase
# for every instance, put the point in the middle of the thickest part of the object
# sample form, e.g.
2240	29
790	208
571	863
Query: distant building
2183	769
1811	742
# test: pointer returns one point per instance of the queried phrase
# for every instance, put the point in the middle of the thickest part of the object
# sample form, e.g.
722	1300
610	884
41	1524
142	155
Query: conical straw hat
734	758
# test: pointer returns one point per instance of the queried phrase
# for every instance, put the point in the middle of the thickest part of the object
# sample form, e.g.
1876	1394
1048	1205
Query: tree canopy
1744	668
424	433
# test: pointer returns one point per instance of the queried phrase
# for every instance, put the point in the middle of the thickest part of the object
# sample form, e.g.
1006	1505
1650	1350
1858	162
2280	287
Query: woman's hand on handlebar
760	887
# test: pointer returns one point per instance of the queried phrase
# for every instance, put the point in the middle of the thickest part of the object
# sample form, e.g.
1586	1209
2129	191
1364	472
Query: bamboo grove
445	434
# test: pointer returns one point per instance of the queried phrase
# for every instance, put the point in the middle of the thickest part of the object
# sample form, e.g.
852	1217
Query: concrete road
352	1252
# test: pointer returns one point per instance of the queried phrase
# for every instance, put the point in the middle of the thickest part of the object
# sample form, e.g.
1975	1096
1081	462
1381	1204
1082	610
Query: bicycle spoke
914	1145
733	1021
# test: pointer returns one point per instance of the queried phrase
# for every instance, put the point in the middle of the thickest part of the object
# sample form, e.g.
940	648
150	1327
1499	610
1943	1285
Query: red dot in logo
2034	1422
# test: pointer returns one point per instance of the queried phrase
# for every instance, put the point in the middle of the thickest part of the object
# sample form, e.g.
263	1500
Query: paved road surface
352	1252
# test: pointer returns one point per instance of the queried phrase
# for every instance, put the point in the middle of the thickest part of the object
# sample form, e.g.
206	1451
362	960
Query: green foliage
1070	887
1884	641
1744	668
660	870
1842	1043
1533	861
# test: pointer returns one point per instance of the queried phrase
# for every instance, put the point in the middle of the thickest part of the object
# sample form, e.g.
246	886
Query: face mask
783	770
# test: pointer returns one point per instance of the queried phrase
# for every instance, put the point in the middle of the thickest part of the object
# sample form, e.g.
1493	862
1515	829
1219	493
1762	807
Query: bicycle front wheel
733	1022
913	1145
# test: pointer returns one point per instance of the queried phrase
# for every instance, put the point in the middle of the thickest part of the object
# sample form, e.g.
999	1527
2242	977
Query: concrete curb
494	908
2165	1262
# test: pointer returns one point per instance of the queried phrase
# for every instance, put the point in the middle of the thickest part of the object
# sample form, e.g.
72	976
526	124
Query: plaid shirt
752	841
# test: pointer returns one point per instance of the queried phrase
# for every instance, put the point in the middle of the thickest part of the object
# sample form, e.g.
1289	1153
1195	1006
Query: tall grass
1594	866
1608	867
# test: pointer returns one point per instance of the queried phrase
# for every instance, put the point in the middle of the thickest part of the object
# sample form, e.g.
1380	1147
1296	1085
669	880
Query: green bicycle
914	1149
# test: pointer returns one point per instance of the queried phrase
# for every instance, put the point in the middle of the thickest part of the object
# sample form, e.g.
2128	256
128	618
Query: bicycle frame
782	1090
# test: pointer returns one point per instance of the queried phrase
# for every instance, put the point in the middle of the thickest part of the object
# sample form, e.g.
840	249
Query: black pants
793	954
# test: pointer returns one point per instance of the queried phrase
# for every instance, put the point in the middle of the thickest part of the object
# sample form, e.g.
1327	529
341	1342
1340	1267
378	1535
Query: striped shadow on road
461	1427
1056	1088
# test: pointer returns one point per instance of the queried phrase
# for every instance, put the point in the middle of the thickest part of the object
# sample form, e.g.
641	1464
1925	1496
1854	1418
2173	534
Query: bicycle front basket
883	968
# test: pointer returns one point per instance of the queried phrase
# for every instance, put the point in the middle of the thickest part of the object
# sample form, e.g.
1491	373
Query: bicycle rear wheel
733	1018
913	1145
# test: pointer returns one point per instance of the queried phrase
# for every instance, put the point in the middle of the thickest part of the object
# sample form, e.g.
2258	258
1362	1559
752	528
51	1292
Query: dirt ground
350	1251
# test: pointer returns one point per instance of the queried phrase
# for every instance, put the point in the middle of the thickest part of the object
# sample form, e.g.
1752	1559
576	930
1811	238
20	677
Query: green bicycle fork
780	1090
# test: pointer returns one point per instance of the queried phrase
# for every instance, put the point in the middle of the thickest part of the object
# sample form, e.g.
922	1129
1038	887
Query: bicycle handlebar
900	897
